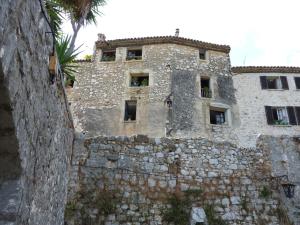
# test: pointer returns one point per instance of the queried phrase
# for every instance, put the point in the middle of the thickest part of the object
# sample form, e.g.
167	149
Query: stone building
269	102
199	115
172	86
157	86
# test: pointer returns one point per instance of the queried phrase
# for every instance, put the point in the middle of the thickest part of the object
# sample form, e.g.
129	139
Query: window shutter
297	82
269	114
291	114
284	83
297	110
263	82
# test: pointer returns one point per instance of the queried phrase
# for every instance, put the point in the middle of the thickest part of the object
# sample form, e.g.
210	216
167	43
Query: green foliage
265	192
94	11
55	13
194	193
211	216
178	213
144	82
66	58
88	57
244	204
82	9
105	202
70	209
280	122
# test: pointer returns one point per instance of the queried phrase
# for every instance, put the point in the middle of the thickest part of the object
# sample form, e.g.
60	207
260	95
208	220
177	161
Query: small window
108	56
202	54
139	79
134	54
297	82
130	111
205	88
274	82
280	116
217	116
289	115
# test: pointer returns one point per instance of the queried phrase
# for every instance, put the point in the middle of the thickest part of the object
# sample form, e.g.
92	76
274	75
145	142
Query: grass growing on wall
179	208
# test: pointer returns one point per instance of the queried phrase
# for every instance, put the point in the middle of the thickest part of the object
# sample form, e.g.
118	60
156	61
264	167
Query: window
139	79
289	115
130	111
217	116
297	82
202	54
134	54
273	82
205	88
108	56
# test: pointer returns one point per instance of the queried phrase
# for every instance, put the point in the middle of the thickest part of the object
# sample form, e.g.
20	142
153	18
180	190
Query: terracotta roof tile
161	40
265	69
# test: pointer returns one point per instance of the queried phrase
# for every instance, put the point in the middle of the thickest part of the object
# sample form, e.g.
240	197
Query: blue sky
260	32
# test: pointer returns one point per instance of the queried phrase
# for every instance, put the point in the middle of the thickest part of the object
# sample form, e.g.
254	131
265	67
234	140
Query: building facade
177	87
164	116
269	101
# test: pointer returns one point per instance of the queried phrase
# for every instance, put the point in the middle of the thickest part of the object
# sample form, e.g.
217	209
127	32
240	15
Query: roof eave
161	40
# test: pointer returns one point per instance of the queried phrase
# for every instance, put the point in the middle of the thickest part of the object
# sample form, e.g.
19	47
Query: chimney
101	37
177	32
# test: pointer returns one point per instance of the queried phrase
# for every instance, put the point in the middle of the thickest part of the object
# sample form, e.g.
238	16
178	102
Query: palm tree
66	57
55	13
80	13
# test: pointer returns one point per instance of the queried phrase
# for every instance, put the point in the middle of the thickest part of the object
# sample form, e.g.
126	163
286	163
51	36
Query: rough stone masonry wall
285	159
139	174
98	98
252	100
41	121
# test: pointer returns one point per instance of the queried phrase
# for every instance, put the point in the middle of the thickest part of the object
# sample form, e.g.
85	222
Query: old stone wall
36	132
252	99
285	159
138	175
98	98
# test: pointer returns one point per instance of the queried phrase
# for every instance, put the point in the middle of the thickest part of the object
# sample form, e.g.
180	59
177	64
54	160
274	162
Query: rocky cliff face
36	130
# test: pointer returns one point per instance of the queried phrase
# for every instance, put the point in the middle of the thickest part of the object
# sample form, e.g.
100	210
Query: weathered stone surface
252	99
38	112
229	177
198	215
98	98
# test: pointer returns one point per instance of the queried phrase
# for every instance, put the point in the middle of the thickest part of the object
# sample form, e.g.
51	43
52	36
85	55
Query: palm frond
66	57
55	13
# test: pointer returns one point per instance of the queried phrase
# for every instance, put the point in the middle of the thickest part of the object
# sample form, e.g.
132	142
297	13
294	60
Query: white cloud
265	32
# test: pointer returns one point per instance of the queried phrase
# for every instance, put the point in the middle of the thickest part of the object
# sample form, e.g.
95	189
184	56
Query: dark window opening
268	82
108	56
205	88
297	82
139	80
199	223
130	110
202	54
217	117
289	115
135	54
